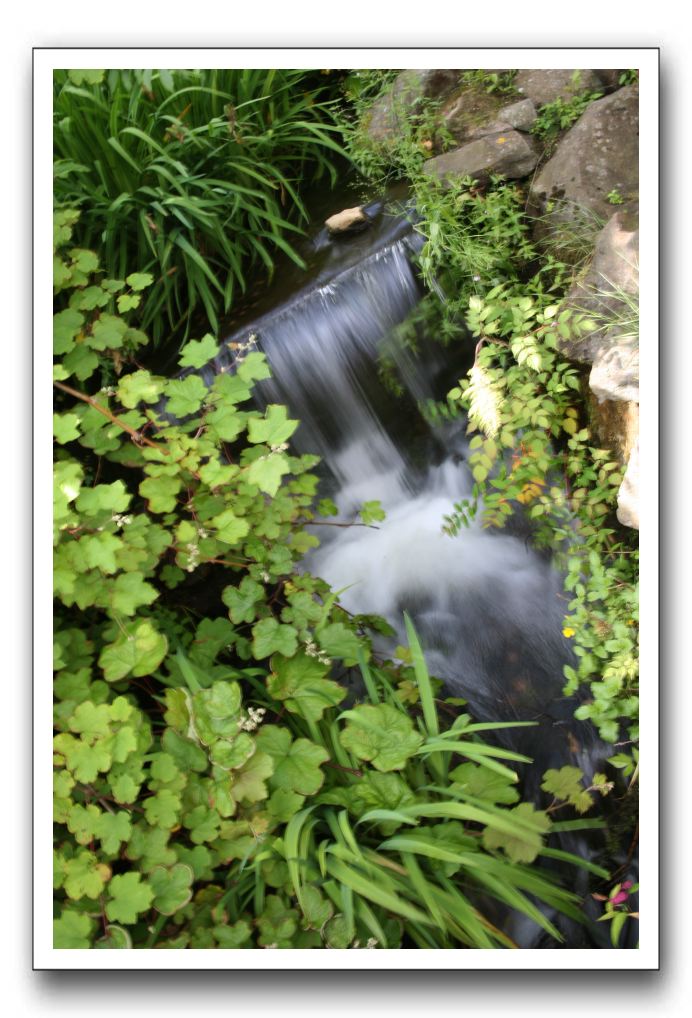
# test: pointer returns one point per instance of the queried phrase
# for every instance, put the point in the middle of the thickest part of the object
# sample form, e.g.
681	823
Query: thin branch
136	436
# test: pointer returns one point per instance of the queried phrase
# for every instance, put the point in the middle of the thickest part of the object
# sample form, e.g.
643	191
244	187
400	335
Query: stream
487	606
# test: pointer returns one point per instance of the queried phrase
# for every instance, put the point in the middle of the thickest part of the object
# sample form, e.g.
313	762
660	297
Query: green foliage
208	793
501	82
534	454
560	114
192	174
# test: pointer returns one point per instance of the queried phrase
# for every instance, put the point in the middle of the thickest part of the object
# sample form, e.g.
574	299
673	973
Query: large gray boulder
600	154
545	86
507	153
608	290
385	120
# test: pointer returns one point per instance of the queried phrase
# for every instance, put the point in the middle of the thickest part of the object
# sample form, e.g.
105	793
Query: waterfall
487	606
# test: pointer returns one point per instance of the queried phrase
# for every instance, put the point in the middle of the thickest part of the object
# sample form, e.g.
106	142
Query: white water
487	607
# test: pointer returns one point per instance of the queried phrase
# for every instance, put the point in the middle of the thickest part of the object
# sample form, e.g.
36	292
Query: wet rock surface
348	221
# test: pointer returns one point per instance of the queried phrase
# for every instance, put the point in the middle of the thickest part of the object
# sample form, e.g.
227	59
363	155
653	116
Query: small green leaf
163	809
140	650
381	734
248	783
269	636
66	326
372	512
296	764
128	302
300	681
160	493
274	429
139	280
230	528
242	601
129	897
197	353
113	829
65	427
336	640
482	783
107	333
172	887
139	387
73	930
85	876
566	783
185	396
267	471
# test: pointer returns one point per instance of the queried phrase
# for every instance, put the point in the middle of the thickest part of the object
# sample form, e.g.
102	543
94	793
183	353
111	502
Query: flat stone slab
507	153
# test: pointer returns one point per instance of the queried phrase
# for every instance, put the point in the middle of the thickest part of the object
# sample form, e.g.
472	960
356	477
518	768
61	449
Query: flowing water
487	606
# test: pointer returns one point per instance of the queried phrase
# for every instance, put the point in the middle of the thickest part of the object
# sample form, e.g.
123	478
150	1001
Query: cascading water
488	608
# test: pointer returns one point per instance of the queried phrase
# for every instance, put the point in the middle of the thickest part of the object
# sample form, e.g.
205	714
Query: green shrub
194	176
210	791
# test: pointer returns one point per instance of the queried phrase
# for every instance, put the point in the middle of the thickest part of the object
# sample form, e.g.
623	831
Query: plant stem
136	435
154	935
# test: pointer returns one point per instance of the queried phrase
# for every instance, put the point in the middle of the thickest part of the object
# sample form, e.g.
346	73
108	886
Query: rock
615	372
521	115
615	424
610	79
598	155
409	88
507	153
468	110
545	86
628	495
608	291
347	221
